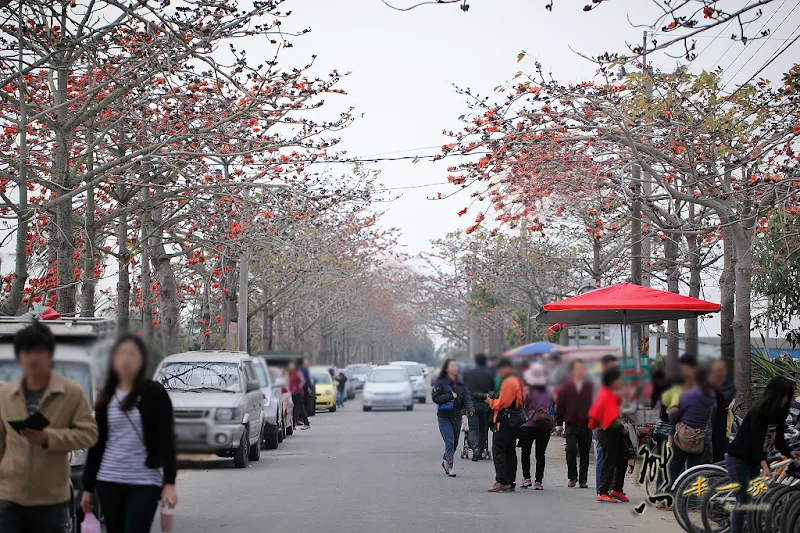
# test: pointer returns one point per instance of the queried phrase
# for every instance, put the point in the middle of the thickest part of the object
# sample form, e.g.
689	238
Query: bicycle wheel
689	497
777	511
760	517
716	510
791	515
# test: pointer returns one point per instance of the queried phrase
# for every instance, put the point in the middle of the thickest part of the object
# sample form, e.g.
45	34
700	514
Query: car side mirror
279	383
252	385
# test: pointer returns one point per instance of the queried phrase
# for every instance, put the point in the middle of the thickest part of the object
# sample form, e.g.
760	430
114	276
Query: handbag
449	405
689	439
515	416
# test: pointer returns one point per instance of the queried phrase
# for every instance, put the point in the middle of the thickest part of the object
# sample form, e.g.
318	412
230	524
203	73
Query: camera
481	396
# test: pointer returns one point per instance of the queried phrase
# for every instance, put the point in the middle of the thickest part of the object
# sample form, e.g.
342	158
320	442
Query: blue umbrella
536	348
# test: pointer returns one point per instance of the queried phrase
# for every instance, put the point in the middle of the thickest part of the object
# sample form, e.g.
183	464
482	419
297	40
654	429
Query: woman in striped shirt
132	466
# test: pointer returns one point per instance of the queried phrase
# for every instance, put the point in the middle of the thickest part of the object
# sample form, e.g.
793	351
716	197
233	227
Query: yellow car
324	388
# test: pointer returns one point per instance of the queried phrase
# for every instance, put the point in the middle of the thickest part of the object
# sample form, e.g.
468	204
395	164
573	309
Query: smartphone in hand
37	421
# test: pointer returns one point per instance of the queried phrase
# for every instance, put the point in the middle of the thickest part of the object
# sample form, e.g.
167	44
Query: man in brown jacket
572	410
34	464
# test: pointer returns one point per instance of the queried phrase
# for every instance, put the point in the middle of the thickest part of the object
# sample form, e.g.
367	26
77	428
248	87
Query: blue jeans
340	397
598	465
449	430
739	472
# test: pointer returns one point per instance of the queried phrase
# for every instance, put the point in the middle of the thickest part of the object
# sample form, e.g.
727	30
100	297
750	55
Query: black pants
299	409
528	437
15	518
719	446
612	472
505	454
479	428
128	508
579	444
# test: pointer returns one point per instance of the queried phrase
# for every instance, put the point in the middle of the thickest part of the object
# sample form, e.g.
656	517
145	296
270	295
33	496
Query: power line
776	55
759	33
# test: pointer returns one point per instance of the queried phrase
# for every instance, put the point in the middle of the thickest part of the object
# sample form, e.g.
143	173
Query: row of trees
143	155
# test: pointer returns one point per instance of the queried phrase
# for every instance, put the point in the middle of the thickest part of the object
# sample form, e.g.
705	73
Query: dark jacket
479	380
309	382
572	407
725	395
158	425
695	409
748	445
443	391
341	379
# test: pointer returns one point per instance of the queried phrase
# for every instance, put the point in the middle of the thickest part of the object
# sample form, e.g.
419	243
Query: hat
535	375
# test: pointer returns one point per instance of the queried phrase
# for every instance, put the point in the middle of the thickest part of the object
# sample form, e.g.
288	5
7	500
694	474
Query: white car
414	370
359	374
389	387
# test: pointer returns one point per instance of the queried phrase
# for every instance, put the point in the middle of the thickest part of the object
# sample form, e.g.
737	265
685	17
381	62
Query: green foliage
777	274
765	369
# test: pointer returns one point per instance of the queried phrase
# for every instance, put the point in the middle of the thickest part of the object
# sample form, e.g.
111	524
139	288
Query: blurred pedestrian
51	418
341	382
692	420
503	444
746	451
309	394
608	361
537	430
297	387
574	402
480	382
452	398
606	418
133	464
725	392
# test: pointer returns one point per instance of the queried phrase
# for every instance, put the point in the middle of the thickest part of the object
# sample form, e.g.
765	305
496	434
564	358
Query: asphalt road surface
381	472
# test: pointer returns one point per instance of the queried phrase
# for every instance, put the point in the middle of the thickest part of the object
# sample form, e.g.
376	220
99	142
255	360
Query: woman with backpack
537	430
451	397
133	464
692	419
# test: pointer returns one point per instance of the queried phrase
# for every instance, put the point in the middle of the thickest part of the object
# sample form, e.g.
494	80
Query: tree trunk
690	325
147	280
124	281
64	238
89	255
168	288
742	319
673	279
597	248
727	285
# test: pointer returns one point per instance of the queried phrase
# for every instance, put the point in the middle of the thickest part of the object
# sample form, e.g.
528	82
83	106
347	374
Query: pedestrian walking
133	465
572	410
608	361
605	416
43	417
452	398
341	381
480	382
720	429
297	387
692	420
746	451
309	394
535	433
503	444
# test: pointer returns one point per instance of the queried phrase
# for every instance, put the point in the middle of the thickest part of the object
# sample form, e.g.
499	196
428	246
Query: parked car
80	344
324	388
359	374
350	384
417	378
388	386
274	430
426	371
218	403
287	404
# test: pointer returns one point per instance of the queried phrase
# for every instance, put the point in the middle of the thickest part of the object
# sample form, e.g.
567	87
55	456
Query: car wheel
332	409
254	450
410	407
272	438
367	408
282	431
240	454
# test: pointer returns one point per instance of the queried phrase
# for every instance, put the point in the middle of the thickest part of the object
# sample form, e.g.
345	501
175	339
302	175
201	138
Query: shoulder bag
515	415
449	405
689	439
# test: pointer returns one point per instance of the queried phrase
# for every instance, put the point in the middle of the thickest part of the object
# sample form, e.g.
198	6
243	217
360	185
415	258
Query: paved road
380	472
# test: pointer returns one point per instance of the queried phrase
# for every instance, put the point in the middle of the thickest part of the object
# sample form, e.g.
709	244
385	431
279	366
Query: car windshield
413	370
200	376
80	372
358	369
387	375
261	374
321	379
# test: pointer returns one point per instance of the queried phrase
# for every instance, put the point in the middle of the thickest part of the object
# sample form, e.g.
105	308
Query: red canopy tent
624	303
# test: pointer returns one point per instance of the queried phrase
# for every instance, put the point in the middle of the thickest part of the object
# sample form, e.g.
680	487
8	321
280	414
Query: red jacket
605	409
572	407
297	382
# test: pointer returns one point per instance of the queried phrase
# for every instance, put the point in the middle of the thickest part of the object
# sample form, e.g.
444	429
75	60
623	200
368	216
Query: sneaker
538	486
497	487
305	427
572	483
584	485
619	495
605	498
476	455
526	484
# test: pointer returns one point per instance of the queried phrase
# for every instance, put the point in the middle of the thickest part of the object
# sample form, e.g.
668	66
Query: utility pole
244	298
636	257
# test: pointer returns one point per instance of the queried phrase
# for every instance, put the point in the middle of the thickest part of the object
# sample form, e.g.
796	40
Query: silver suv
217	402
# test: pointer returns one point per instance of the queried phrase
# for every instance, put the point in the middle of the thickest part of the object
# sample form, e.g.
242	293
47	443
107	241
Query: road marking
464	513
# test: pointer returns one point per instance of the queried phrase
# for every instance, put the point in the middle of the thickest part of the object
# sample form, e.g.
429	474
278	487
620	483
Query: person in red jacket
605	416
572	410
297	386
